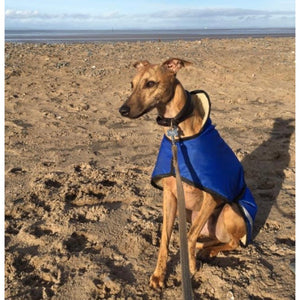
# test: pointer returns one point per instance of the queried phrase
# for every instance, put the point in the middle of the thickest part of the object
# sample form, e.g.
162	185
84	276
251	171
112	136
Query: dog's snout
124	110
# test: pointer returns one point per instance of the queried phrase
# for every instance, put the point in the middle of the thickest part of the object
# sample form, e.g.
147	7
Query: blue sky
148	14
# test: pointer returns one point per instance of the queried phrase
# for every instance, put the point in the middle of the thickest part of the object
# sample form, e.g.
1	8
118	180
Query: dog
219	205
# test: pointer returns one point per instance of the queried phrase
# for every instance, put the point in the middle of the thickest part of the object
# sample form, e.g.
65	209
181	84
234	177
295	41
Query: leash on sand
184	258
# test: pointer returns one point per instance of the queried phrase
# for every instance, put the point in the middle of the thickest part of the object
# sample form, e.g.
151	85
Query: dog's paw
192	261
156	281
208	253
193	268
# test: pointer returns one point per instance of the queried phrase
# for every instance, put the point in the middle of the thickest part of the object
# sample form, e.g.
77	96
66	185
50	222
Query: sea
87	36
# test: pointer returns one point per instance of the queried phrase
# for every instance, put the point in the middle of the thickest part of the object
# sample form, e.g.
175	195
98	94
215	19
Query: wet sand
82	220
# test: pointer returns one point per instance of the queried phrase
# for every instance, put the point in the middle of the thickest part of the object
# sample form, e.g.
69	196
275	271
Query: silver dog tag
173	133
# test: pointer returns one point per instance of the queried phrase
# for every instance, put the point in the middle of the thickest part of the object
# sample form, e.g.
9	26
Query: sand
82	220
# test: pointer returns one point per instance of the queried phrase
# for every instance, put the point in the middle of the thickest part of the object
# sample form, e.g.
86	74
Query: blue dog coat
207	162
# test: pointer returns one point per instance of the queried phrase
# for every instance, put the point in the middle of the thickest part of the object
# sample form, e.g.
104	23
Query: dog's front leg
169	213
208	205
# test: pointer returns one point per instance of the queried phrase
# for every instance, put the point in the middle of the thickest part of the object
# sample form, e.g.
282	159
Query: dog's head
153	86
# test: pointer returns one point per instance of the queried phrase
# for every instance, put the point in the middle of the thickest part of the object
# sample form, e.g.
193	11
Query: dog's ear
141	64
175	64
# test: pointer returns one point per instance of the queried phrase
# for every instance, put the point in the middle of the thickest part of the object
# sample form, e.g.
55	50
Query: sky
148	14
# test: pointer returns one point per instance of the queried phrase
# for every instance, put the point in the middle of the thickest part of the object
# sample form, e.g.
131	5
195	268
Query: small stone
230	296
113	286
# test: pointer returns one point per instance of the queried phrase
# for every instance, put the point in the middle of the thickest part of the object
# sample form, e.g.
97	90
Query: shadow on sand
264	170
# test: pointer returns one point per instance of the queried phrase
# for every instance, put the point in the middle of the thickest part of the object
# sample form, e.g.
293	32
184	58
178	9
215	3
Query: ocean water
83	36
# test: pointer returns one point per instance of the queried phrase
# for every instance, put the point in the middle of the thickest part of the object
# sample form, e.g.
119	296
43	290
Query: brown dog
223	222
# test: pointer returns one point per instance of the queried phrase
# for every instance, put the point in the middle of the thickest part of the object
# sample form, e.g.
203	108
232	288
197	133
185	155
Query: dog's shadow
264	169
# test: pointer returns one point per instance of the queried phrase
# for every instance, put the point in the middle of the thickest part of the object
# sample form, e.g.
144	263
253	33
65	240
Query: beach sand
82	220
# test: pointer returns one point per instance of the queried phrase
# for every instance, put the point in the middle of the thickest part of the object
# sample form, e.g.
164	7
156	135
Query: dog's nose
124	110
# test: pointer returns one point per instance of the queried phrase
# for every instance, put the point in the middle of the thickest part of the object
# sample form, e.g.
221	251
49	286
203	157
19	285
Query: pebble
230	296
293	267
112	285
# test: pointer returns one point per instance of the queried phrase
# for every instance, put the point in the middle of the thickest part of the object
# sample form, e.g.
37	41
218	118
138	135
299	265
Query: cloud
216	12
221	18
171	14
184	18
19	14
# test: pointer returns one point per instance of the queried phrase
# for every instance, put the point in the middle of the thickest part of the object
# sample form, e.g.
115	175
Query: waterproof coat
207	162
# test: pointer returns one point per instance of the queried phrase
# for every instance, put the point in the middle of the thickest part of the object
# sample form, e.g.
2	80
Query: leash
184	258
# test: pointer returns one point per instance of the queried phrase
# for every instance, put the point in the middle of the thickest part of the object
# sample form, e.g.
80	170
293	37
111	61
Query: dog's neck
189	126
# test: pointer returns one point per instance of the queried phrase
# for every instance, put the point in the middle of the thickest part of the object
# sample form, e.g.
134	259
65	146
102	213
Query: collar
186	111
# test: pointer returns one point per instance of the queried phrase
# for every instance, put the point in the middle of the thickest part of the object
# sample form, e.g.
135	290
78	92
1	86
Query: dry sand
82	220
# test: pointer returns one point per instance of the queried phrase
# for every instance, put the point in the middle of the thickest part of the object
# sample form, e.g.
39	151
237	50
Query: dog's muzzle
124	110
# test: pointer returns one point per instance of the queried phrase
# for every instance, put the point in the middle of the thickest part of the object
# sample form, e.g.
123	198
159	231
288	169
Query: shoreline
129	40
94	36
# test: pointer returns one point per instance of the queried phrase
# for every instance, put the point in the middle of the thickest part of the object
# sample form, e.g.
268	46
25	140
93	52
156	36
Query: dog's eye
131	83
150	84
